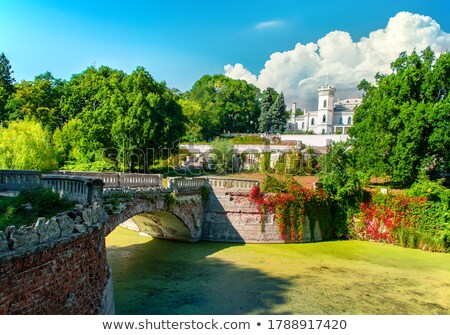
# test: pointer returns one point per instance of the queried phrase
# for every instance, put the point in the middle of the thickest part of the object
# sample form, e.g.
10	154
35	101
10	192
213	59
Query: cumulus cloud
268	24
239	72
298	72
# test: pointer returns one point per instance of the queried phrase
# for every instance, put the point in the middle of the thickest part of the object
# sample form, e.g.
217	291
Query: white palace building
330	118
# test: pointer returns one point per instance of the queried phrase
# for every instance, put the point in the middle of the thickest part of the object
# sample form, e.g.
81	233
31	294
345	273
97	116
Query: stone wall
56	266
67	278
229	216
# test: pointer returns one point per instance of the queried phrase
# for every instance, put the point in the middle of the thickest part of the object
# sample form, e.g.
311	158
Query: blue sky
179	41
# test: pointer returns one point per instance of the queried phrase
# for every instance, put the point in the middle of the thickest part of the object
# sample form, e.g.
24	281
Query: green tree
265	119
6	85
24	145
6	79
279	115
402	124
153	120
273	112
96	99
38	100
119	117
340	178
227	105
192	112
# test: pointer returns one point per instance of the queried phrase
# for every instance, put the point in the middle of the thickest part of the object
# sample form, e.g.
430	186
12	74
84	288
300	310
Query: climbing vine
292	203
170	200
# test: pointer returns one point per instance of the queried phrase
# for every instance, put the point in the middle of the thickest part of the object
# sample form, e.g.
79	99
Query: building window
303	125
341	121
324	104
349	121
323	131
296	125
324	119
312	122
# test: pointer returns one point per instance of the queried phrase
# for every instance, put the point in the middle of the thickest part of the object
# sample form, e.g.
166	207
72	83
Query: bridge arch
158	216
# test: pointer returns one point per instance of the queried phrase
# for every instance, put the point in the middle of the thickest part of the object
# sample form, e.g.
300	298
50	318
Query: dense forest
103	119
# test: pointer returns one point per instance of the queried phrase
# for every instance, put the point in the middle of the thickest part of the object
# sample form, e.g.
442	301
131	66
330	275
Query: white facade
330	117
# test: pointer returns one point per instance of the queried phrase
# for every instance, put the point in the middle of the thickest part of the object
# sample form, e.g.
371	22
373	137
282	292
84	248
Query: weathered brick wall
68	278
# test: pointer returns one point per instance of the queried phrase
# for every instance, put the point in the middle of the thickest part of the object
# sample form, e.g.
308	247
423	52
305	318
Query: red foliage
289	208
381	220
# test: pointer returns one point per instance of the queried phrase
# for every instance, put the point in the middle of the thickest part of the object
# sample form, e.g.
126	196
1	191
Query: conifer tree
6	80
6	85
265	118
278	115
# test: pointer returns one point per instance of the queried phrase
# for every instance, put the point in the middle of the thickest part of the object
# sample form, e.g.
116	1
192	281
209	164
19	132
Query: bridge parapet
84	190
232	184
177	183
115	179
16	180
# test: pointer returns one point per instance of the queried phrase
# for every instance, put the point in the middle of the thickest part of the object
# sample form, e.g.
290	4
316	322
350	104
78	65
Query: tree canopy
24	145
118	116
223	105
403	123
38	100
273	112
103	118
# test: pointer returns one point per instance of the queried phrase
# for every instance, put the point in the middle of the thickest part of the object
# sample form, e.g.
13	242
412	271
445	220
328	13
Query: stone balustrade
114	179
235	184
140	180
84	190
16	180
177	183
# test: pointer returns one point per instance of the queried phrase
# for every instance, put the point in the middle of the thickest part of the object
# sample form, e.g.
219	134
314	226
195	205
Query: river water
152	276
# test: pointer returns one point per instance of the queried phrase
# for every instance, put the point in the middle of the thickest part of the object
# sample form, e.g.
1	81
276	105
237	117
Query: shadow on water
167	277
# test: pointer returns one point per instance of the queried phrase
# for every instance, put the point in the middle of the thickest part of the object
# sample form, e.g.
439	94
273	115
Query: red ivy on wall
291	208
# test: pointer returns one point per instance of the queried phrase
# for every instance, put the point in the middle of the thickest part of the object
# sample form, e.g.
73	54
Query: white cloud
298	72
239	72
268	24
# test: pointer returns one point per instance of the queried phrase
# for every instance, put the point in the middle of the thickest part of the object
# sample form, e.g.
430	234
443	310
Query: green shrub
432	190
29	205
222	152
271	184
280	165
170	201
264	162
250	139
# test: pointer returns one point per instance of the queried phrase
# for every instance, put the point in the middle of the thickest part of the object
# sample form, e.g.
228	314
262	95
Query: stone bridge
59	265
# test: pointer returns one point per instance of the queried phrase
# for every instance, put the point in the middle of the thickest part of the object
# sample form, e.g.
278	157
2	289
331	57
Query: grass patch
29	205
